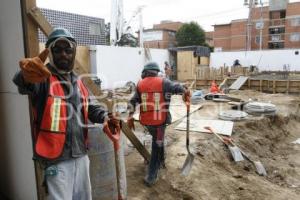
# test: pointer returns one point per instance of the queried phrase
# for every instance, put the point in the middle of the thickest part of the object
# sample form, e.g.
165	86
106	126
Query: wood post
31	45
274	86
260	85
249	83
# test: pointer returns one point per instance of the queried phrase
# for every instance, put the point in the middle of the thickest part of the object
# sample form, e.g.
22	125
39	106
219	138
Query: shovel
234	150
260	169
190	157
114	136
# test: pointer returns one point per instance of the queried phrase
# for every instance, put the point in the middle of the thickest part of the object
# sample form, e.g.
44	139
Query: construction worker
61	110
168	70
153	95
214	87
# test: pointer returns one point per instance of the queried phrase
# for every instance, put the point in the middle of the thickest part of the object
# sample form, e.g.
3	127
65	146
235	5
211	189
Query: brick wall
168	25
222	36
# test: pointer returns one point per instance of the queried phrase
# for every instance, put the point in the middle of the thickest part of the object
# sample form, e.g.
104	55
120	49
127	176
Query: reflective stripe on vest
52	131
152	107
55	114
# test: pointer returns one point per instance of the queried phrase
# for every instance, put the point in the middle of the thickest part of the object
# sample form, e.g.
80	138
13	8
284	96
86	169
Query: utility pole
141	28
261	25
251	4
116	21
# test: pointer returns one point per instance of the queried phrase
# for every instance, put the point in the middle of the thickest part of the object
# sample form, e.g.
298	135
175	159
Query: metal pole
261	28
141	30
113	21
249	25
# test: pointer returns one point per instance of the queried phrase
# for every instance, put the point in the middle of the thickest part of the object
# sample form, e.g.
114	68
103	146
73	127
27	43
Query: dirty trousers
72	181
157	153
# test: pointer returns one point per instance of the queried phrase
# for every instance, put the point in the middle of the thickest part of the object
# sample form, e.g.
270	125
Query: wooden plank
135	141
40	20
274	86
238	83
31	45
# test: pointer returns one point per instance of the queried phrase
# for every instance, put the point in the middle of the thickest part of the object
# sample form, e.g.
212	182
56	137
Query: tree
127	39
190	34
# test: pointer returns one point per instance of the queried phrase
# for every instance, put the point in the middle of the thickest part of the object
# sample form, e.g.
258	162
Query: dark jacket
74	145
169	88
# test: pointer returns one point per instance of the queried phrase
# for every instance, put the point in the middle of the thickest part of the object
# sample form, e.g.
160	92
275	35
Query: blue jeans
157	153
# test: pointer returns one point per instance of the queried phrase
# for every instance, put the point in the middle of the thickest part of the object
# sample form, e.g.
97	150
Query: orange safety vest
51	134
153	110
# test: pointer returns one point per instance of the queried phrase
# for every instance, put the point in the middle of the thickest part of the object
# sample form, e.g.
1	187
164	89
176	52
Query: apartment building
275	26
161	36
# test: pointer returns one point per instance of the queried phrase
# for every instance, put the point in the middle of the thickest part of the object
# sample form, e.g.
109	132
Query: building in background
278	29
209	38
86	30
161	36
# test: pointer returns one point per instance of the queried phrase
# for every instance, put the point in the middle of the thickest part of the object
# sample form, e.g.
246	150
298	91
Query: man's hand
113	123
33	69
186	97
130	122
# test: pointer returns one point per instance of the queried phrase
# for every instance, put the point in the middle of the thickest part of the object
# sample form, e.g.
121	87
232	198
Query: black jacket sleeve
172	87
96	114
25	88
134	101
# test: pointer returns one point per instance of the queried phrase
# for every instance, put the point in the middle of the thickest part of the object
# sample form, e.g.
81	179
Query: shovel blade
187	166
260	169
236	153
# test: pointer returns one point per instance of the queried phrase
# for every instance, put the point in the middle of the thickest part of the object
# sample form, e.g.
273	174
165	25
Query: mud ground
214	175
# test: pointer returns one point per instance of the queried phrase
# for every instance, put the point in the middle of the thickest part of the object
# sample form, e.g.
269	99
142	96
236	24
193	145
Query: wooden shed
189	60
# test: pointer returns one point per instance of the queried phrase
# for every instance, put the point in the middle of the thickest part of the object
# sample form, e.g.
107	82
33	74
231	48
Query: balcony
277	23
276	37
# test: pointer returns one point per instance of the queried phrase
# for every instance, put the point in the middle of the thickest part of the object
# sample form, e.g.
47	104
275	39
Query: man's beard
64	65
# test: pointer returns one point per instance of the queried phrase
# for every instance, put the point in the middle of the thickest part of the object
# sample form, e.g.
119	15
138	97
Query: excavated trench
216	176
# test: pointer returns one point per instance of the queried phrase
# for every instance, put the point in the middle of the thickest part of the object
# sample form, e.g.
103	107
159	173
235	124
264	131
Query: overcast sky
206	13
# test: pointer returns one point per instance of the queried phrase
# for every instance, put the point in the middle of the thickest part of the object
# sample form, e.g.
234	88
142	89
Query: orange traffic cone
214	87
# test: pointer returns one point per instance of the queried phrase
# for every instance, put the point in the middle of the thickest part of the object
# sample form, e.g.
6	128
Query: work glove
113	123
186	97
130	122
33	69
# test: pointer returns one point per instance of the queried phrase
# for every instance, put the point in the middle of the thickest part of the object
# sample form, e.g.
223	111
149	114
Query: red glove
130	122
113	123
33	69
186	97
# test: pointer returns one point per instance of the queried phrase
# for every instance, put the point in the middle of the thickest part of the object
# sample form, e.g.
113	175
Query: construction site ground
214	175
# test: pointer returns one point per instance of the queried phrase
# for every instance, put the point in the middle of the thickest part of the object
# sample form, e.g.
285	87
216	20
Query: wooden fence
262	85
209	73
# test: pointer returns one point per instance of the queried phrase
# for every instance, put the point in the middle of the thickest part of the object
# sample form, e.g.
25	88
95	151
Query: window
275	38
295	37
172	34
257	39
276	45
94	29
295	21
276	30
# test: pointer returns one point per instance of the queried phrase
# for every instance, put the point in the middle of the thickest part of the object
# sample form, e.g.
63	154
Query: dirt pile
215	176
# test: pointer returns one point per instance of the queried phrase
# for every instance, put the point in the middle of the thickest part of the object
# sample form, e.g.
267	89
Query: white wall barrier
265	60
117	65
